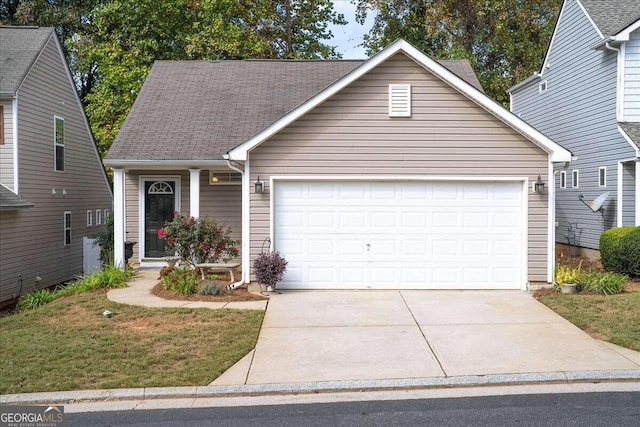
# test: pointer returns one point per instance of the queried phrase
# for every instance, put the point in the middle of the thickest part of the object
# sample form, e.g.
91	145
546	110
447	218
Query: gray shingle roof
612	16
9	200
633	130
19	48
199	110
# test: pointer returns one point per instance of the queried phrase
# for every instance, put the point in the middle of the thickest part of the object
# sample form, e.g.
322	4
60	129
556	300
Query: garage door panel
436	235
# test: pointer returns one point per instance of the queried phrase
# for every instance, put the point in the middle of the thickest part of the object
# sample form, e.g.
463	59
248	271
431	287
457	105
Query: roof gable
557	153
198	110
20	47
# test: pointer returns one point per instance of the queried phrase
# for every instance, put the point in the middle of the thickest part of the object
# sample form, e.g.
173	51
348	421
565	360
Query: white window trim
65	228
55	145
89	218
405	91
575	178
600	183
563	179
105	214
543	86
98	217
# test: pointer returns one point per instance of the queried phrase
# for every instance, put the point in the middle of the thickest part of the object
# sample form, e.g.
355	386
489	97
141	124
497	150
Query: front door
159	204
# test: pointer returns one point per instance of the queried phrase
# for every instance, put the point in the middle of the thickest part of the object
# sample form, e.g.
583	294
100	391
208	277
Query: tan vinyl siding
448	135
6	149
222	202
32	240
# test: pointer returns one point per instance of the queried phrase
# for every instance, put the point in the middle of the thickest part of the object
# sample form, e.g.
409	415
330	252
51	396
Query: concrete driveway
365	335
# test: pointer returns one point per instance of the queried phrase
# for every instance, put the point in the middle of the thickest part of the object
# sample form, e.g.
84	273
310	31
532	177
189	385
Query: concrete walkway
139	293
384	335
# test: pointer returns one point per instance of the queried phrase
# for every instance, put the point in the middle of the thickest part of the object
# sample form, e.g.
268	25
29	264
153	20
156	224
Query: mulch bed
228	295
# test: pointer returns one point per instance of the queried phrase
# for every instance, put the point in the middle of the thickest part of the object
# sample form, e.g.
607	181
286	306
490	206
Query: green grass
613	318
68	345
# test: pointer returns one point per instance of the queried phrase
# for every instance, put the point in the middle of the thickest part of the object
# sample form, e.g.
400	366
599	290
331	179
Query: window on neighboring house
67	228
542	87
89	218
399	100
563	179
575	178
602	176
1	125
58	139
98	217
105	215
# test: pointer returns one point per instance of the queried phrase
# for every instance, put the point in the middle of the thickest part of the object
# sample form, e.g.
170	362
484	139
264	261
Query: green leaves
504	40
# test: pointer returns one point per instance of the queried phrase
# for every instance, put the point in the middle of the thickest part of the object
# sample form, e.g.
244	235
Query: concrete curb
569	377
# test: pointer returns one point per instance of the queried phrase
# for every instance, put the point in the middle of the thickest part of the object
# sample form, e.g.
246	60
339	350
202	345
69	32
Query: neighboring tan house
54	194
586	97
394	172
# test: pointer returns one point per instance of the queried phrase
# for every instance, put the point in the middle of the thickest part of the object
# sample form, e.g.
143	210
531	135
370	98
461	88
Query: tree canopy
505	40
112	44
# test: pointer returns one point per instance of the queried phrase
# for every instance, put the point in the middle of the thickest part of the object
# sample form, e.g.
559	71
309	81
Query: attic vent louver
399	100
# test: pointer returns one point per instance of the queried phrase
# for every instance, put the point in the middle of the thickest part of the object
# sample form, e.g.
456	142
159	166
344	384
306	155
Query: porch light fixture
538	186
259	186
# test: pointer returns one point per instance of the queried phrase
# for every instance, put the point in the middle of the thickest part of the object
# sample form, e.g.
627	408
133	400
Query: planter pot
568	288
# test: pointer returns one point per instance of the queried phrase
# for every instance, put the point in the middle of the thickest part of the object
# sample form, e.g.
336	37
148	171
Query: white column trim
194	192
14	118
246	223
620	191
118	217
551	221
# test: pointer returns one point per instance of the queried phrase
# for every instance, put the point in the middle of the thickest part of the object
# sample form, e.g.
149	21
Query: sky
348	37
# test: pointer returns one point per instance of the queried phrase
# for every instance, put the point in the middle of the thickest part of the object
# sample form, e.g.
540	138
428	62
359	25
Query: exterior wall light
259	186
538	186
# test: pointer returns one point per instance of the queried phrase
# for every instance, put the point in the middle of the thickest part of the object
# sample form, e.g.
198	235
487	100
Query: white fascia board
625	34
629	140
164	164
534	77
240	152
589	18
556	152
545	63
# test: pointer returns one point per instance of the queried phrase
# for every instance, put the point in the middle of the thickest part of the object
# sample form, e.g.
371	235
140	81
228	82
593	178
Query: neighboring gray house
586	97
54	194
394	172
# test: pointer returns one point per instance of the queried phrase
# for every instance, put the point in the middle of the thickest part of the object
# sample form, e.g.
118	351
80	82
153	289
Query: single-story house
393	172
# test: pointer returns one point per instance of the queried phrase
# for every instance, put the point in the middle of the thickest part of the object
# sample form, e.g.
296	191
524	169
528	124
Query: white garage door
402	235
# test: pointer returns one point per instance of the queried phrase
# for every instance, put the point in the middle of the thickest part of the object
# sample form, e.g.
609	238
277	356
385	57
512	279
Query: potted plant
566	278
269	269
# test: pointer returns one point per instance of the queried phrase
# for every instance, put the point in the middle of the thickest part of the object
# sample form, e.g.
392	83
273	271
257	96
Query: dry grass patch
613	318
69	345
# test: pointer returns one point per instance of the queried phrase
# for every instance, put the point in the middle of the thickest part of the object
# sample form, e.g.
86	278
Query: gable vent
399	100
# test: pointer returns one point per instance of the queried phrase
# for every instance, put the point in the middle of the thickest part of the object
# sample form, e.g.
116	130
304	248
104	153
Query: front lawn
613	318
69	345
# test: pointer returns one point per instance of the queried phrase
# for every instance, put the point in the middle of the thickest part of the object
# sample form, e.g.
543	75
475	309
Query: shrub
610	251
630	252
269	268
211	289
198	240
36	299
183	280
605	283
105	241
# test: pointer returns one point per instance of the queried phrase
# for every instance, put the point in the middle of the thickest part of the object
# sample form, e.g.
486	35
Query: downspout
241	172
552	221
619	84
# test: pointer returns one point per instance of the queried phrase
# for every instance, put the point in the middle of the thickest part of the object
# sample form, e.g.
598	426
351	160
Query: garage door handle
368	245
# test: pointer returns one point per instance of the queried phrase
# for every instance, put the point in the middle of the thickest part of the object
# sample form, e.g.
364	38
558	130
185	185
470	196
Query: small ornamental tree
198	240
269	268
